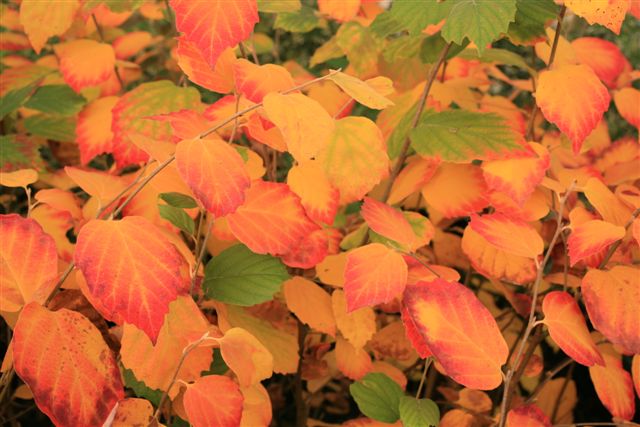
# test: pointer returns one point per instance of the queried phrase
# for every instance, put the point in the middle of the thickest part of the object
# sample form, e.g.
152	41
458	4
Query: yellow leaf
305	125
43	19
363	92
19	178
358	326
298	292
610	13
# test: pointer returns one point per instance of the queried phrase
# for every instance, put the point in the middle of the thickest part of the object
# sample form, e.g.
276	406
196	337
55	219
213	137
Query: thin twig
548	377
433	72
427	364
532	312
615	246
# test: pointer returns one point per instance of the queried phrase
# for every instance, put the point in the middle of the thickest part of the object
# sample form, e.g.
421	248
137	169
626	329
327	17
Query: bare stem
427	364
531	324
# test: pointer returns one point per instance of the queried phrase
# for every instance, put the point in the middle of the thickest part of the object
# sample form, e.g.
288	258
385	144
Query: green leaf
462	136
410	15
277	6
482	21
433	45
301	21
179	200
418	413
241	277
56	99
52	127
178	217
360	45
501	56
531	19
19	152
377	397
329	50
139	388
402	48
15	98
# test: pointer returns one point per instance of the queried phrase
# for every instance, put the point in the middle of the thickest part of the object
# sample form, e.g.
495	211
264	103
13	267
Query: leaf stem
433	72
506	397
554	47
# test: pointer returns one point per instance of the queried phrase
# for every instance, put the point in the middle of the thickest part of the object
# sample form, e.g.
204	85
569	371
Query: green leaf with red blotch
64	360
131	117
132	271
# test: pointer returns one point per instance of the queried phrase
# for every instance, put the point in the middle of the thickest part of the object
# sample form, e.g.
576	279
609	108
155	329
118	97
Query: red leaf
591	238
215	172
374	274
215	25
271	220
460	331
132	271
67	365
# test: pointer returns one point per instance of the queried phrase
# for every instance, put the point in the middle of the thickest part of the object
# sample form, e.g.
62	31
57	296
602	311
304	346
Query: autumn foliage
333	212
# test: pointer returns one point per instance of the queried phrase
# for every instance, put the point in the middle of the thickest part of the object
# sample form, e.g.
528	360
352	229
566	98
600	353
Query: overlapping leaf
213	401
591	238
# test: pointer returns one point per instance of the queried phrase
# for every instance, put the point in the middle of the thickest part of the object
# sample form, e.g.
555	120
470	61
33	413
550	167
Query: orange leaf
602	55
318	197
527	416
517	177
568	328
358	326
215	25
85	63
305	125
562	94
611	14
18	178
627	101
67	365
298	291
494	262
130	44
612	298
98	184
218	78
355	159
310	251
353	362
213	401
610	207
246	356
510	235
374	274
156	364
343	11
635	372
469	194
28	263
133	412
256	408
215	173
635	230
136	289
256	81
271	220
416	173
387	221
460	331
591	238
42	20
93	129
614	385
